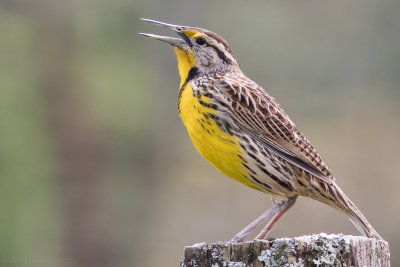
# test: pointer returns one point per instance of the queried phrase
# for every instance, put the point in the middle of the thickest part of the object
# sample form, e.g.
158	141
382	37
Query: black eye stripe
187	40
220	54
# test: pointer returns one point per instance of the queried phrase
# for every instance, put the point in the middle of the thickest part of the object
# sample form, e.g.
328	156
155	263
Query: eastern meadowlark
239	128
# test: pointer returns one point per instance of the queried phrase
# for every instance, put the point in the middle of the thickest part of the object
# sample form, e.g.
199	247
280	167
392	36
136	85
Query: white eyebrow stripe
222	48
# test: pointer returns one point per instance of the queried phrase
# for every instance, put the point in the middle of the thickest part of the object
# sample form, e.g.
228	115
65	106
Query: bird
241	129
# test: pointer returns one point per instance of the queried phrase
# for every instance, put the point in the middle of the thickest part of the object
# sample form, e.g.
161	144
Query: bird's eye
201	40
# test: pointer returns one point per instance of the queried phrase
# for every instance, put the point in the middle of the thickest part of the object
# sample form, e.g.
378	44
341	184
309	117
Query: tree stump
312	250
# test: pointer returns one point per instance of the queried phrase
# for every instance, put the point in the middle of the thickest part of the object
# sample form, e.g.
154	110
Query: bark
314	250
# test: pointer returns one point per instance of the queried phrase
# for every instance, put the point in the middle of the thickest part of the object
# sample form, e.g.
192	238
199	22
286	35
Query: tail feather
332	195
356	217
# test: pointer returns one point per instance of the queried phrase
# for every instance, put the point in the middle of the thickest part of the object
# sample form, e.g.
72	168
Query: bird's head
198	50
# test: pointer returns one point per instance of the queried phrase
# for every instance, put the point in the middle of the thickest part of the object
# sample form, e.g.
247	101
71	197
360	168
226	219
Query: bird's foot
236	240
265	239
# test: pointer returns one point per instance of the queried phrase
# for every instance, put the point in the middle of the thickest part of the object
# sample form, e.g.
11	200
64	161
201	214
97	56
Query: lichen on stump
314	250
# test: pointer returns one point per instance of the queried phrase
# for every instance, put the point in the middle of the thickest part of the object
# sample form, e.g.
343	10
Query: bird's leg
273	212
282	208
249	228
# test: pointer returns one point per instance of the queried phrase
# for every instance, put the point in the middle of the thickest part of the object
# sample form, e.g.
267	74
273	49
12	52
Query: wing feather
260	116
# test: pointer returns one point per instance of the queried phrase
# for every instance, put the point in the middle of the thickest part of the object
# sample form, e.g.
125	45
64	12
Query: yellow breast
218	147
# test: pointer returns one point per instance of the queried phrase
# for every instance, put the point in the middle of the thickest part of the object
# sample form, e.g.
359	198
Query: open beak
177	42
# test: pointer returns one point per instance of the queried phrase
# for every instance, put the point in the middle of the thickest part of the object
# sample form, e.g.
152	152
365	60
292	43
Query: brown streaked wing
261	117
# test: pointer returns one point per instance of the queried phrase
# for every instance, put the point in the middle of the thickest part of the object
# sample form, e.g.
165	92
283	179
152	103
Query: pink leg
283	207
275	212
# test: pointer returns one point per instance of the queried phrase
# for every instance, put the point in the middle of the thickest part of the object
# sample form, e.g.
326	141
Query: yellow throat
218	147
186	61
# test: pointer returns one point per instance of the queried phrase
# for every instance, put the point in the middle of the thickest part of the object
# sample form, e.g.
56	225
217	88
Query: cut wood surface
312	250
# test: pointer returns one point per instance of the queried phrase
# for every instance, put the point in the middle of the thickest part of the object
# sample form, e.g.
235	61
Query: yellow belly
218	147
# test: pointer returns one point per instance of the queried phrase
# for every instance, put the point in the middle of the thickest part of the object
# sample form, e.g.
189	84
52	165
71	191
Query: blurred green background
96	167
